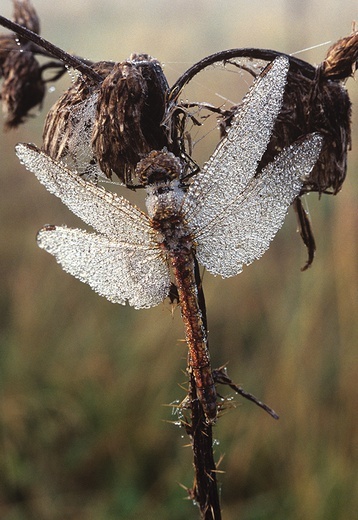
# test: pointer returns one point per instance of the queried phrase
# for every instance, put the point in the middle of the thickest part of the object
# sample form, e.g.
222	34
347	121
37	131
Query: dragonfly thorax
160	172
164	199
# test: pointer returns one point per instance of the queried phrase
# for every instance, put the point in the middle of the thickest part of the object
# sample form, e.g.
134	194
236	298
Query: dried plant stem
51	49
205	490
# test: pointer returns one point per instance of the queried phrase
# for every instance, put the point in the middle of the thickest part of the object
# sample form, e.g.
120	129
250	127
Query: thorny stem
205	490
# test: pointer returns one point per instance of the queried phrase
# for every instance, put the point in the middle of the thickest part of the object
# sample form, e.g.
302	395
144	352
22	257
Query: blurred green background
83	429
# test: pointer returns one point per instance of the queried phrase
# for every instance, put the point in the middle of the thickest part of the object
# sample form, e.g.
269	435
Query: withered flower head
23	87
131	104
342	57
319	104
125	125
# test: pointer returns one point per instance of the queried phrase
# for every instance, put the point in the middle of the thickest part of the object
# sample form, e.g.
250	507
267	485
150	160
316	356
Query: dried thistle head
315	105
130	108
319	103
70	120
315	100
342	57
118	118
23	87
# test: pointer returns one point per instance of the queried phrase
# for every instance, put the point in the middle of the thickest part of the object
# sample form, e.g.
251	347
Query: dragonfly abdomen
196	335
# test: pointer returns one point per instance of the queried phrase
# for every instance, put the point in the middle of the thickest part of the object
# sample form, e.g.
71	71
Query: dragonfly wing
248	223
118	271
235	160
106	212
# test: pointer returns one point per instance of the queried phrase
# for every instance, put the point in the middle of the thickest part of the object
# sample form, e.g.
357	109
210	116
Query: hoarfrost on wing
251	220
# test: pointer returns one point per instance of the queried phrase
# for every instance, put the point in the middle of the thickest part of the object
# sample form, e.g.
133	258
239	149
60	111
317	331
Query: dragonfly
224	217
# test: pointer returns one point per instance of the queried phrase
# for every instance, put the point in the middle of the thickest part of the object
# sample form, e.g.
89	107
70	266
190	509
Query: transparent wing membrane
106	212
118	271
248	223
232	213
124	262
235	160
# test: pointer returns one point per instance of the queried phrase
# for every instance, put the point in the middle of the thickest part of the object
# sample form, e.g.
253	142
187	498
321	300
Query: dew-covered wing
249	221
119	271
106	212
124	262
235	160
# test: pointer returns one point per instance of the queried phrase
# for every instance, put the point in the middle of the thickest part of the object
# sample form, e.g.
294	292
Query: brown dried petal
331	116
342	58
7	44
118	138
22	87
25	15
61	119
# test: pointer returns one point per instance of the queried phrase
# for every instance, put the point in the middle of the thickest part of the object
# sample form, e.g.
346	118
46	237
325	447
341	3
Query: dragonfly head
158	167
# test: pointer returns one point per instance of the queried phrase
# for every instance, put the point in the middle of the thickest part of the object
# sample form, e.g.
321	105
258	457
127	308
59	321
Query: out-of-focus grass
82	382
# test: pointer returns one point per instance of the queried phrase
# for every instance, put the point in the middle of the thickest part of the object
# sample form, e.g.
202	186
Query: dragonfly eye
158	176
162	189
